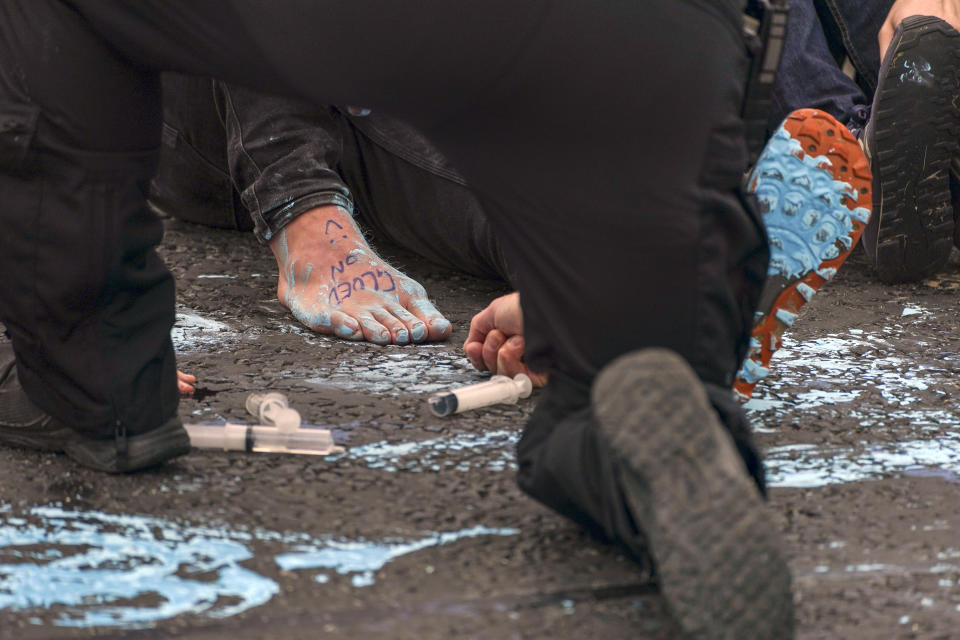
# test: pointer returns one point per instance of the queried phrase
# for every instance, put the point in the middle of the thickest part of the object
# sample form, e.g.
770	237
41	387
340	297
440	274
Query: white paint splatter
192	332
399	371
807	465
865	376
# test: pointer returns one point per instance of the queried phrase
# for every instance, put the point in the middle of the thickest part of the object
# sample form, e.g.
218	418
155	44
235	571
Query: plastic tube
260	438
498	389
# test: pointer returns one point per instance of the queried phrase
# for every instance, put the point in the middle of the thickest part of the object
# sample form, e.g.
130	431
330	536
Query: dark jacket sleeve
283	156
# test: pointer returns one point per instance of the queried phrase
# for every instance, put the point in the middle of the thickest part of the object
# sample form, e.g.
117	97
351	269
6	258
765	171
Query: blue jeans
819	34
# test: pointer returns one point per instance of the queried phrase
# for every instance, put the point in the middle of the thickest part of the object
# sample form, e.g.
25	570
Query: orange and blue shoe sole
812	185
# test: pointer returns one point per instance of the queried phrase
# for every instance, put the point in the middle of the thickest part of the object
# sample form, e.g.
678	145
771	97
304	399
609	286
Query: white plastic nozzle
273	408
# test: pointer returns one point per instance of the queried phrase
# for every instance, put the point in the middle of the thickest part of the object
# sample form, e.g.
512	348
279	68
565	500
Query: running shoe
911	139
812	184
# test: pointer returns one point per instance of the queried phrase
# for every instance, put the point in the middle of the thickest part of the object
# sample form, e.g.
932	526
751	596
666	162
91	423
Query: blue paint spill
362	559
94	566
93	569
491	450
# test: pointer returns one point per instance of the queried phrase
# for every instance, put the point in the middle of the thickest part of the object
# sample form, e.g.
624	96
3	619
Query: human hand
947	10
334	283
495	342
185	382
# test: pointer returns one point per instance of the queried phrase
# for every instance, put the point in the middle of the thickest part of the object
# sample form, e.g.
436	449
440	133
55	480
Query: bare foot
495	342
946	10
334	283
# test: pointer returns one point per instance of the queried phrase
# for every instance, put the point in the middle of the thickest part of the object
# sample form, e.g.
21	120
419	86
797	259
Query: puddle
361	559
941	474
491	450
845	571
94	569
807	466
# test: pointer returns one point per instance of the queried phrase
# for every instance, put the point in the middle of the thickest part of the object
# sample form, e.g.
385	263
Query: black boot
23	424
715	549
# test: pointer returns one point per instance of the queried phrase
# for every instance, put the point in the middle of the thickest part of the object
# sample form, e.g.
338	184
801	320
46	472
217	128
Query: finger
184	383
480	325
510	361
373	331
417	328
399	334
491	346
474	351
510	357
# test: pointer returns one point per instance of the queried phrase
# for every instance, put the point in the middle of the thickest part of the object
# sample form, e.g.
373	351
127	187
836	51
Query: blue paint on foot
345	331
440	324
419	332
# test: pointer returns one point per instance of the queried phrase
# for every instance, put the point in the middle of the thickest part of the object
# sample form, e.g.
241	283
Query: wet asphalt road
418	531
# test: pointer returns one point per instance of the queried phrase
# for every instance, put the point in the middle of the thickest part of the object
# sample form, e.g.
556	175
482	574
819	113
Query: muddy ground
418	531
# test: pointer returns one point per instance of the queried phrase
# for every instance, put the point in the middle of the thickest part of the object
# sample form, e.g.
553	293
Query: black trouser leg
86	301
605	143
401	187
434	216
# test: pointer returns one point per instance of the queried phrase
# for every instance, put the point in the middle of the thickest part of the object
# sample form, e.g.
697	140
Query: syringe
283	432
498	389
261	438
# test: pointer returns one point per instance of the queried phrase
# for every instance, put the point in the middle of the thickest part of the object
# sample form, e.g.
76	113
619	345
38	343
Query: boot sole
916	128
715	550
812	184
